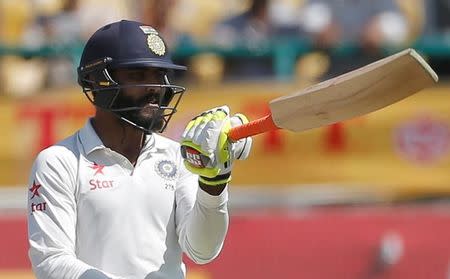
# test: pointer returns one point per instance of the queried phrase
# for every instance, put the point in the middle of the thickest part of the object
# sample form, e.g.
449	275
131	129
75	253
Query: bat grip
255	127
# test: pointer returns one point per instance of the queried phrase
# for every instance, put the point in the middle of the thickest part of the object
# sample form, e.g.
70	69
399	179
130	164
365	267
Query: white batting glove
206	149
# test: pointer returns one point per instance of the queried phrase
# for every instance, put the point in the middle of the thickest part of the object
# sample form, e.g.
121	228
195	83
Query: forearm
207	226
207	152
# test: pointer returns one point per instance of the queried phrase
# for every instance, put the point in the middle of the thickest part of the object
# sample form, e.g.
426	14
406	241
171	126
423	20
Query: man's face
145	99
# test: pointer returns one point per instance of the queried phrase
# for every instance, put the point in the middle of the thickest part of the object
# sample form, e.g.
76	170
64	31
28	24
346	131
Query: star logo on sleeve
35	189
98	168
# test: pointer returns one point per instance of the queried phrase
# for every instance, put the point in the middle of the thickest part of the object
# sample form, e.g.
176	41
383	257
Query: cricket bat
356	93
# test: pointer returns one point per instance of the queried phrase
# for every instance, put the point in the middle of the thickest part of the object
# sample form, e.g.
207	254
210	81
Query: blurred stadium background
366	198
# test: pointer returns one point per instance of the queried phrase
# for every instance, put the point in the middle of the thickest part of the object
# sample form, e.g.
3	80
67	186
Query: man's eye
136	76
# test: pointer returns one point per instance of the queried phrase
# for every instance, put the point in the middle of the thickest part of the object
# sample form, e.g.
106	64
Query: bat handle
255	127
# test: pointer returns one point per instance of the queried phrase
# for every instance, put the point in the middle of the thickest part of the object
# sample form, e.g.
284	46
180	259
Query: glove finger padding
210	132
241	148
196	125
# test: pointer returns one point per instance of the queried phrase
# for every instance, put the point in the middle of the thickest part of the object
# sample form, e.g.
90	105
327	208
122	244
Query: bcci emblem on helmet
155	43
166	169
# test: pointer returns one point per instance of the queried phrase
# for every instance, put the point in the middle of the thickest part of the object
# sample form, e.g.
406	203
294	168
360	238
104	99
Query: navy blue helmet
128	45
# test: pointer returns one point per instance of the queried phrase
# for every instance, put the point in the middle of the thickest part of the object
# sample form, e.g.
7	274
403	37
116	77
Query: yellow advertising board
404	148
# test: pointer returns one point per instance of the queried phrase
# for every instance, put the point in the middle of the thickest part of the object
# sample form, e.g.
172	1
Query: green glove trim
215	181
222	145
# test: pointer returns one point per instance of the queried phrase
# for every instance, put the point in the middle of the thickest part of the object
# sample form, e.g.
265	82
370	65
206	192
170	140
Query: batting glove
206	149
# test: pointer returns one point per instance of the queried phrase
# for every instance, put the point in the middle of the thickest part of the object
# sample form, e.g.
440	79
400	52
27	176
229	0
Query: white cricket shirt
92	214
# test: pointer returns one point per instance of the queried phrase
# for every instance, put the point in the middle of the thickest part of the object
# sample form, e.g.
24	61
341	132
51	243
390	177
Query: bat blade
356	93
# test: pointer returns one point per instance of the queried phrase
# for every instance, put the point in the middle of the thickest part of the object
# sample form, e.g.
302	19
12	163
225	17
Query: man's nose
152	95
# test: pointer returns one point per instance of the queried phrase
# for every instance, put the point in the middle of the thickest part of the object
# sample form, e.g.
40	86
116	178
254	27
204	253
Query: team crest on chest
166	169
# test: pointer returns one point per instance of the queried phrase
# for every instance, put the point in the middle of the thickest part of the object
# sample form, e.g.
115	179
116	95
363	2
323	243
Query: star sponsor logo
34	189
40	206
166	169
97	168
96	184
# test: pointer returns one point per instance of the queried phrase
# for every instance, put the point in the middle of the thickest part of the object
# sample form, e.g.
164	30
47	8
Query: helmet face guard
106	93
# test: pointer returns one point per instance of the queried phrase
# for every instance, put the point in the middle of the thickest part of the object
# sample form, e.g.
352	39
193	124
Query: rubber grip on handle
255	127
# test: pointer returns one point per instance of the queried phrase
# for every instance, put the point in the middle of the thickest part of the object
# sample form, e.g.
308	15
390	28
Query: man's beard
149	116
152	123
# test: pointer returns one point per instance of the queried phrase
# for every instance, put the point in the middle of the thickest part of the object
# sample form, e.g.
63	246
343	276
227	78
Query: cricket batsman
118	200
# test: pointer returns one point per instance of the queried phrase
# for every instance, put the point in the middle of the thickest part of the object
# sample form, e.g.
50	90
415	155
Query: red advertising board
332	242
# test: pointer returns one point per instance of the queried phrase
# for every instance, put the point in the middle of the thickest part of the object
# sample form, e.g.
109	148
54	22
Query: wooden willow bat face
356	93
